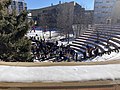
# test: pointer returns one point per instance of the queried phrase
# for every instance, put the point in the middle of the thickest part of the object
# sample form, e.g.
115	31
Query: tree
65	18
78	20
14	45
48	19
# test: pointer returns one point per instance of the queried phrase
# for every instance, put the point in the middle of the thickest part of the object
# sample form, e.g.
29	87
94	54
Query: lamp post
97	34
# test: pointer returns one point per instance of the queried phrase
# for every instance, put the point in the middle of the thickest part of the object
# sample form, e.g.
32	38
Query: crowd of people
43	50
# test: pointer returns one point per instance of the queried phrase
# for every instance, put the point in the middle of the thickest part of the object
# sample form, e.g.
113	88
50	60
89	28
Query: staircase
104	38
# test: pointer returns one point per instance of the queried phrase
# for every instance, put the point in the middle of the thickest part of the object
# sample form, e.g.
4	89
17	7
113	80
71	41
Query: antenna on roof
51	4
59	2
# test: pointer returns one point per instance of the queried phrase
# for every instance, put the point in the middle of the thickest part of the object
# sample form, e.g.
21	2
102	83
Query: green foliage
14	45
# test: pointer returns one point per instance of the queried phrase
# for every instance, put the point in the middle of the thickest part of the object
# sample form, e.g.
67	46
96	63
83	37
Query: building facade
89	16
116	13
61	16
18	6
45	17
106	11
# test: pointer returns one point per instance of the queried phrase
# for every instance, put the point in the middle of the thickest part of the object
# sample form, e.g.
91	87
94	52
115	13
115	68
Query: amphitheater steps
106	35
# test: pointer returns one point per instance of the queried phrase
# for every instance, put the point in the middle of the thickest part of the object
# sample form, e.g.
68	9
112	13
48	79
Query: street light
98	35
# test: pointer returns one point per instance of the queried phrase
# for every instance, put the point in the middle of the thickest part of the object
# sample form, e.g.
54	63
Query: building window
118	20
99	17
45	11
104	7
20	3
105	12
108	21
111	6
97	7
107	1
98	2
14	3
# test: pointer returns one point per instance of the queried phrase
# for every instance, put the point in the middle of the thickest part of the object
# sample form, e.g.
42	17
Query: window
105	12
99	2
45	11
107	1
97	7
14	3
104	7
118	20
111	6
20	3
99	17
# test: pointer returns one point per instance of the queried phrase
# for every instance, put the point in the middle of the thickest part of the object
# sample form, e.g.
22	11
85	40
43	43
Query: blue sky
35	4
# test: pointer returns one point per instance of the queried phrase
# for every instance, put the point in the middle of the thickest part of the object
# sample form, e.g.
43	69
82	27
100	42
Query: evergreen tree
14	45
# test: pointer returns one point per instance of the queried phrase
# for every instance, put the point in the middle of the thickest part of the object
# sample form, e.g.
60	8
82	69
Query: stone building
61	16
45	17
116	13
89	16
107	12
